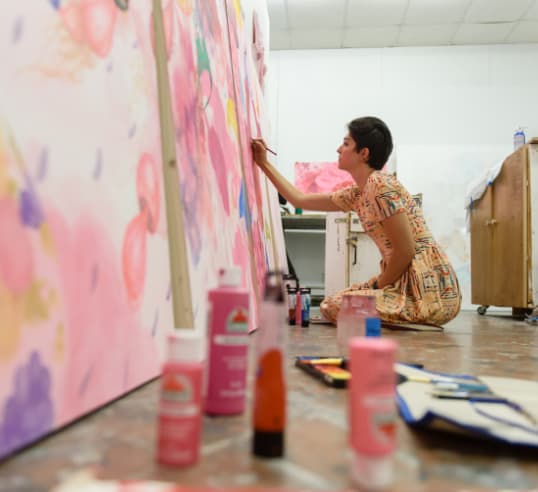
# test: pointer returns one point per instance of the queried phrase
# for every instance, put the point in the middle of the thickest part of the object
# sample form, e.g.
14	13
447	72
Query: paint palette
330	370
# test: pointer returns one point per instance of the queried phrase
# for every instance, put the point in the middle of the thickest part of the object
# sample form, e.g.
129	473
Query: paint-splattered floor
118	440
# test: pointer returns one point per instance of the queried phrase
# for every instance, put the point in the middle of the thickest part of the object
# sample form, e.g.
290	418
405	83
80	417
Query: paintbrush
264	146
269	150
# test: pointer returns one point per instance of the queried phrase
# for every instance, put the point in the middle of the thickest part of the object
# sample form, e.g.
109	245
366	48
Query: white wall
452	111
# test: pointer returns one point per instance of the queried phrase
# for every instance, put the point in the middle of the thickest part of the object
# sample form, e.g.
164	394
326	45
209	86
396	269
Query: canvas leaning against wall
83	246
217	105
84	270
250	23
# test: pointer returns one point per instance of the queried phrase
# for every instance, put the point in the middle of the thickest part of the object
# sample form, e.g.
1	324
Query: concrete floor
118	441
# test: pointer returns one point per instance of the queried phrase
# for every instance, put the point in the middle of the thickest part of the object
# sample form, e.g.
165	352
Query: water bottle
357	313
344	324
519	138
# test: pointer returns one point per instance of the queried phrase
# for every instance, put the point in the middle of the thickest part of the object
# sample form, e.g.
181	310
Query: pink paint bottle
298	307
180	404
372	411
228	345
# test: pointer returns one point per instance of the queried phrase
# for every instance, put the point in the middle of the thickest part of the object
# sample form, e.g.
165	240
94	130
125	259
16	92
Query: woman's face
348	157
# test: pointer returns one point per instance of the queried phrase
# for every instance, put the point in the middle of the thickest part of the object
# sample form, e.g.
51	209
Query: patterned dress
428	292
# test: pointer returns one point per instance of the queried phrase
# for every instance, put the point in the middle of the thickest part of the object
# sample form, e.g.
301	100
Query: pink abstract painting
84	270
320	177
84	276
209	67
208	149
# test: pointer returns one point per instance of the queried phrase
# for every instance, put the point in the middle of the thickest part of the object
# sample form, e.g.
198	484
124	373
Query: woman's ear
365	154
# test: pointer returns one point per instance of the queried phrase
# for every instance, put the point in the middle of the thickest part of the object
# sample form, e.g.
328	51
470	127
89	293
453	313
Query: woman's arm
306	201
398	232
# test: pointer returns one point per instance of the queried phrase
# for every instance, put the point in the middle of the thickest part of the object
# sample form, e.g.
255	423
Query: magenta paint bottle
228	345
298	307
180	403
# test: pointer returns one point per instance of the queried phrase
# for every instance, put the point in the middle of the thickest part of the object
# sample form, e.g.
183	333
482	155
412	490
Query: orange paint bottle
269	415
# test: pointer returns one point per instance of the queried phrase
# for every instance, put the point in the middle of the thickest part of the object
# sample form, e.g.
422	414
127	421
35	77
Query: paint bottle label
179	419
179	414
237	321
228	345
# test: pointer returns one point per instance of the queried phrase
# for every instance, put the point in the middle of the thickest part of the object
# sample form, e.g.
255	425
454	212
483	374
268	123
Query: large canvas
84	269
252	48
84	281
223	194
207	143
248	25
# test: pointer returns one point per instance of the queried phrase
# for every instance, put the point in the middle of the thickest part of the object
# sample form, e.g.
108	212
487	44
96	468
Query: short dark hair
374	134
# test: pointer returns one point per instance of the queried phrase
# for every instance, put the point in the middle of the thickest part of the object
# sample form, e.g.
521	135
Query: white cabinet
350	255
305	244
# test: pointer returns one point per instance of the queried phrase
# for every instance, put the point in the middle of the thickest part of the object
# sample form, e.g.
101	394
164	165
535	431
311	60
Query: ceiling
315	24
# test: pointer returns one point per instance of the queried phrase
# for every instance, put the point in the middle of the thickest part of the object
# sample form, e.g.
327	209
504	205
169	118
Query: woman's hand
258	151
359	286
368	285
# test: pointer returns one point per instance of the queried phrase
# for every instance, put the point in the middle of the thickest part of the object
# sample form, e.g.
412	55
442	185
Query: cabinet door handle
491	222
353	242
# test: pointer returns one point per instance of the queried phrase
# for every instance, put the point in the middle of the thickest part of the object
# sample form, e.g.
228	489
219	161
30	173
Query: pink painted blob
241	258
147	187
106	350
218	160
16	257
91	22
72	19
134	256
99	19
259	253
205	85
240	253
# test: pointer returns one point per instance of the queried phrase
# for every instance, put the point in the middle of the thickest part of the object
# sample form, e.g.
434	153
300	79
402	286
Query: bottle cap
186	345
373	327
274	287
371	472
230	276
268	444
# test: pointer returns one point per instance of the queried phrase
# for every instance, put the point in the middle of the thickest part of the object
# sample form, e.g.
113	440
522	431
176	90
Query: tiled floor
118	441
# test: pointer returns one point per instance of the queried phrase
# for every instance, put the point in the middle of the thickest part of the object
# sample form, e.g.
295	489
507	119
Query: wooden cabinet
503	235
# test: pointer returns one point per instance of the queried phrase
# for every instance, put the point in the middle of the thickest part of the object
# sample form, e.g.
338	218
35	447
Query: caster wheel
481	310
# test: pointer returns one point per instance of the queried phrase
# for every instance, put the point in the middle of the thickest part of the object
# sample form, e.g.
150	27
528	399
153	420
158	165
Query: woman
416	284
